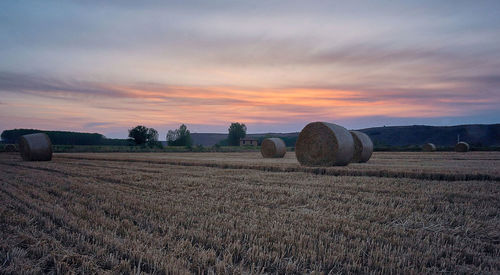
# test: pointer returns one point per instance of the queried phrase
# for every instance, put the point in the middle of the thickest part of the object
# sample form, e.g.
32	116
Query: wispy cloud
41	85
87	66
158	104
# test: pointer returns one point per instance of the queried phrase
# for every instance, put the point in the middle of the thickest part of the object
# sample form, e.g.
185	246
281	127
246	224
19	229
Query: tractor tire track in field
78	175
312	170
138	187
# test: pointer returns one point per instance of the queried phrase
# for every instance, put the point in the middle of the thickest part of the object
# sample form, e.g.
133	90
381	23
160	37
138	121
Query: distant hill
210	139
207	139
479	135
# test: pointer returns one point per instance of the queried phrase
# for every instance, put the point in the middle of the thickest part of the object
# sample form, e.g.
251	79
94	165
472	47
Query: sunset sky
273	65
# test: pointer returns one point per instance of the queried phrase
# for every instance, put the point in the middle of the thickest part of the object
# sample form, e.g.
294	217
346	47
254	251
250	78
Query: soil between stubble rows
82	215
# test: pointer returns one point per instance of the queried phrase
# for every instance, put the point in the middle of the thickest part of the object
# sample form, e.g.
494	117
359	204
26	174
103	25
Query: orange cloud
74	105
214	105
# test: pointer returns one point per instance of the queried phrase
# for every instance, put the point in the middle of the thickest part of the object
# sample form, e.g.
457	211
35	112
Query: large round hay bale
324	144
429	147
462	147
363	147
10	148
35	147
273	148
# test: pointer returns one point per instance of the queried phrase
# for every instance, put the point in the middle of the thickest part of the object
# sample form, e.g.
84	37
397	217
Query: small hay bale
324	144
10	148
273	148
35	147
363	147
429	147
462	147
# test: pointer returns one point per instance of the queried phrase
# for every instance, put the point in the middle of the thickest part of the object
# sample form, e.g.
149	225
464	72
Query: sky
107	66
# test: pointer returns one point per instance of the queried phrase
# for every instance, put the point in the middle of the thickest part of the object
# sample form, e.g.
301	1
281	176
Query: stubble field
239	213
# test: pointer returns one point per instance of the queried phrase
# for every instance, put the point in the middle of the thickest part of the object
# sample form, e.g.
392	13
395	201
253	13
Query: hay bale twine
324	144
35	147
462	147
363	146
429	147
273	148
10	148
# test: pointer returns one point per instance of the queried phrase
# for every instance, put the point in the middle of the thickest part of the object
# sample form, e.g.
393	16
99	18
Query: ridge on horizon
404	135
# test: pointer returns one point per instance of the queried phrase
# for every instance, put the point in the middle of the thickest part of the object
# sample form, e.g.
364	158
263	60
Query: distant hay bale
462	147
10	148
324	144
35	147
429	147
363	147
273	148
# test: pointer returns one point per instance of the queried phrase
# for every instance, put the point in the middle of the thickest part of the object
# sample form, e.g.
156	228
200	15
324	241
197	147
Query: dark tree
236	131
139	134
144	135
152	138
56	137
179	137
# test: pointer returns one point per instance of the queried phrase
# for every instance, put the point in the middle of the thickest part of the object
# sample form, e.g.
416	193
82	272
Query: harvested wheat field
240	213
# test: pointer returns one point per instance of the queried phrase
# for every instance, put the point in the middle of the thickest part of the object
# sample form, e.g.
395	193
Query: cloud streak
157	104
84	65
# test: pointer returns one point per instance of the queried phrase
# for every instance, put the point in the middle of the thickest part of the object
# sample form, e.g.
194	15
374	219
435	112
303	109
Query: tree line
143	135
57	137
139	135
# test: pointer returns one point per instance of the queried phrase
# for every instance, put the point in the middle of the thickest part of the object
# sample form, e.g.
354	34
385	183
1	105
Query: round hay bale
10	148
35	147
273	148
363	147
462	147
324	144
429	147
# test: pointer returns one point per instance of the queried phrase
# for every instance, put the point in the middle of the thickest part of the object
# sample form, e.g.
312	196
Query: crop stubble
120	216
